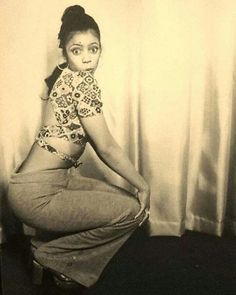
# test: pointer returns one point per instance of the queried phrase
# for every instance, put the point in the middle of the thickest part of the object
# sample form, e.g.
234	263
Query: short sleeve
88	95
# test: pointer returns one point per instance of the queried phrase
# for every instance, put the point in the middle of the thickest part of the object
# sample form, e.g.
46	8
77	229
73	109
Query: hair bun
73	11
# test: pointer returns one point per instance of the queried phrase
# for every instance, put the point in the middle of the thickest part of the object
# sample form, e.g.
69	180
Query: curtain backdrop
167	79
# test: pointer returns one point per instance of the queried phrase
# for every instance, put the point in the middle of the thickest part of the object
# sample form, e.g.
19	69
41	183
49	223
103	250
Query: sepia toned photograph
118	147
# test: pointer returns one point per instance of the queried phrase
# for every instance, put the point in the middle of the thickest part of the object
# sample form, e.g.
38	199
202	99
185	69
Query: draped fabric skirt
80	222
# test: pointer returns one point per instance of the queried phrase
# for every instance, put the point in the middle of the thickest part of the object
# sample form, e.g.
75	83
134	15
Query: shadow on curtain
231	193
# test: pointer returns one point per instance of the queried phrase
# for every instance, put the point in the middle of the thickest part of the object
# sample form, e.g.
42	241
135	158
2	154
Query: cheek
74	59
97	58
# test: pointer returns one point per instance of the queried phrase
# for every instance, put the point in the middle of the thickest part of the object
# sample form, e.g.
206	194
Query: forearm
116	159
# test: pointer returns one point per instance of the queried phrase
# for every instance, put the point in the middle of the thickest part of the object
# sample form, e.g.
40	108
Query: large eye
94	49
76	51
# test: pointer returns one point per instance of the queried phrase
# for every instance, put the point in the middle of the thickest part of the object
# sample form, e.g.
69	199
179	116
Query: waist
60	154
70	134
40	159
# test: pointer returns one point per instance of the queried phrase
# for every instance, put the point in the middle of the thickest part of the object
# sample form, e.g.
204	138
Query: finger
142	208
145	218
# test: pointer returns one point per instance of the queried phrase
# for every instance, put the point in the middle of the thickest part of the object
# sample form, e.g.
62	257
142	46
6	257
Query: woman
88	220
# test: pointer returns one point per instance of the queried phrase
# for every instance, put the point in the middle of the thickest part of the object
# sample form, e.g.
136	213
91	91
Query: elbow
105	146
107	150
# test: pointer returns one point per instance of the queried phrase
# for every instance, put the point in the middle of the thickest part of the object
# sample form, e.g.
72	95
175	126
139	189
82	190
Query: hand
144	200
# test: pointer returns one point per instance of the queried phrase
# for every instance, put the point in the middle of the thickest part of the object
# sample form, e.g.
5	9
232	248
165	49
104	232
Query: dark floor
193	264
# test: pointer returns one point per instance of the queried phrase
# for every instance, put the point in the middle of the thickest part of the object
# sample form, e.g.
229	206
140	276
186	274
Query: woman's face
83	51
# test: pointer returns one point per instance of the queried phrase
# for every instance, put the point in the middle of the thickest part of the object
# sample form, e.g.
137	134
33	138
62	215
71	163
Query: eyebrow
96	43
78	44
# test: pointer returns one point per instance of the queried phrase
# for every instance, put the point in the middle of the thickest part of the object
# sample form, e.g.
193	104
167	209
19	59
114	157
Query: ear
101	50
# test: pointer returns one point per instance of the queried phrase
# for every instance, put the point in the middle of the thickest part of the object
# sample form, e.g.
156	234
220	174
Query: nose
86	58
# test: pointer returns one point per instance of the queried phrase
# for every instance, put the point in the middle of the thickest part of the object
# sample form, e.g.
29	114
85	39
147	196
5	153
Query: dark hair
50	80
74	19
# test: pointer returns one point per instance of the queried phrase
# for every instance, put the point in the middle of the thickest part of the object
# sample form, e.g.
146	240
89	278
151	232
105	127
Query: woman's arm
113	156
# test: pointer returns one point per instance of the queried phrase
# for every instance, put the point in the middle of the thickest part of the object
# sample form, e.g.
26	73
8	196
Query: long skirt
80	222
